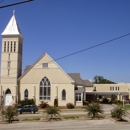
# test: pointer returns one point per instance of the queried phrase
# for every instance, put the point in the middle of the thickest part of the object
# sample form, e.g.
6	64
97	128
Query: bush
43	104
26	102
118	112
10	113
70	105
51	112
85	102
94	109
105	100
56	102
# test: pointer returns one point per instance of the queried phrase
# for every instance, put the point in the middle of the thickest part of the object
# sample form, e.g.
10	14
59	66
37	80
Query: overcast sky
62	27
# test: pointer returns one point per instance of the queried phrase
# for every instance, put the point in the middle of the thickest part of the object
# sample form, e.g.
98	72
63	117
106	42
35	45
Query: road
104	124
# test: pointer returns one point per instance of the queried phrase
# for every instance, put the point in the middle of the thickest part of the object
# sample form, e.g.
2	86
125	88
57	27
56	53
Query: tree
94	109
102	80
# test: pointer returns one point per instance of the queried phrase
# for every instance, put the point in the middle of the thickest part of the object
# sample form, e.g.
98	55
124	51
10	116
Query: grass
71	117
30	119
126	107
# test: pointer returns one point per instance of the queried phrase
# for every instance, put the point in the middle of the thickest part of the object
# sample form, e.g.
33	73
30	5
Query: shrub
52	112
56	102
26	102
10	113
118	112
105	100
70	105
43	104
85	102
94	109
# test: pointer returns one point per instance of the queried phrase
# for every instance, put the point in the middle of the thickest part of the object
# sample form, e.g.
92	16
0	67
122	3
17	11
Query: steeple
12	27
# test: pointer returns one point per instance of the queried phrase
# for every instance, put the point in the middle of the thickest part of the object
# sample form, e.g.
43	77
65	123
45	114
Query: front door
8	98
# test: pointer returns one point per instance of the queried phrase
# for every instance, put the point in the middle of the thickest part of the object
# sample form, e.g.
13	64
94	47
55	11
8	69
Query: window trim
45	89
26	97
63	95
79	94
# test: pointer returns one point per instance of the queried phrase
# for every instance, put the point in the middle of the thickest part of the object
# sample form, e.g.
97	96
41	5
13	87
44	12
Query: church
44	80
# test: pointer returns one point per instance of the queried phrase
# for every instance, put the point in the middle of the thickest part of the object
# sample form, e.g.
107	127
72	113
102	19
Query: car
127	101
28	108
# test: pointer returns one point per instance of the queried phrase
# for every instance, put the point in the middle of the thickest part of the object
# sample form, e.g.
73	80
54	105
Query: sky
62	27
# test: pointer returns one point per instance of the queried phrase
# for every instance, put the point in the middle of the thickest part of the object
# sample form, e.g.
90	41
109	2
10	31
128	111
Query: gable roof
79	81
29	67
12	28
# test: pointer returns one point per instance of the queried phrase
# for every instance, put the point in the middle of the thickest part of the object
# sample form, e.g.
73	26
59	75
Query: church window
44	65
78	97
8	71
63	94
14	46
5	47
45	89
26	94
9	57
8	64
11	47
8	47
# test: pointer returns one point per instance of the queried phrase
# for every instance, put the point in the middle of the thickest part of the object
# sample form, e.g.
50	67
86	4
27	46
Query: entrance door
8	98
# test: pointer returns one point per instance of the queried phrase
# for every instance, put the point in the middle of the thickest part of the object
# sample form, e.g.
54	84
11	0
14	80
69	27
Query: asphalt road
104	124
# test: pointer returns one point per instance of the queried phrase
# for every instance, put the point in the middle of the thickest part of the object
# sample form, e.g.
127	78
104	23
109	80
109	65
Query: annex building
44	80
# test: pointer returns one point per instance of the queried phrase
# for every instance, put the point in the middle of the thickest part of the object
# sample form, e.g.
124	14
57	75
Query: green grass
126	107
71	117
30	119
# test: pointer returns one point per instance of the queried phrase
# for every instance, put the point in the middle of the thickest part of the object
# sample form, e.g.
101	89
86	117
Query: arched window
63	94
8	91
26	94
45	89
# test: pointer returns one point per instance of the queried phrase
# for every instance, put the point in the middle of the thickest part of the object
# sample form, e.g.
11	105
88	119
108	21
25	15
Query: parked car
127	101
28	108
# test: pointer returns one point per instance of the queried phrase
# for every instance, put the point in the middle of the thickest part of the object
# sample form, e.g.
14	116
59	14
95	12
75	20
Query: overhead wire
97	45
22	2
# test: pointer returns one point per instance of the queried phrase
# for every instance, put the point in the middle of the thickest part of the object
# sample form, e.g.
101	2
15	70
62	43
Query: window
118	88
8	47
5	47
44	65
45	89
9	57
8	71
11	47
14	46
78	97
8	64
26	94
63	94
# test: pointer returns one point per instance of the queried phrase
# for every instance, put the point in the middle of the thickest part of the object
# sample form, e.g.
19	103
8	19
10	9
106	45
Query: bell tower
11	55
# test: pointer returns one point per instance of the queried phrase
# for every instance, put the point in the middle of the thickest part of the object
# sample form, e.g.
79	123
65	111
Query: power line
97	45
16	3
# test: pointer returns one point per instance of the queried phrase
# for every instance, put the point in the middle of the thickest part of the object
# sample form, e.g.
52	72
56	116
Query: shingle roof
27	68
79	81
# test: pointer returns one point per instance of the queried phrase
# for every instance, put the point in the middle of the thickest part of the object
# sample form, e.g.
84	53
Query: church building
44	80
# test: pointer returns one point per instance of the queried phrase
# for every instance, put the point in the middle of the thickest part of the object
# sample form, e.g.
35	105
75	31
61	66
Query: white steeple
12	27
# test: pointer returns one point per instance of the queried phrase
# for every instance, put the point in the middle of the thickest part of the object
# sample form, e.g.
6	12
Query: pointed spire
12	27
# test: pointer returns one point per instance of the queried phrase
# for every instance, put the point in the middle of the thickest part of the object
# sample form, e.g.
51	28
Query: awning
108	93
